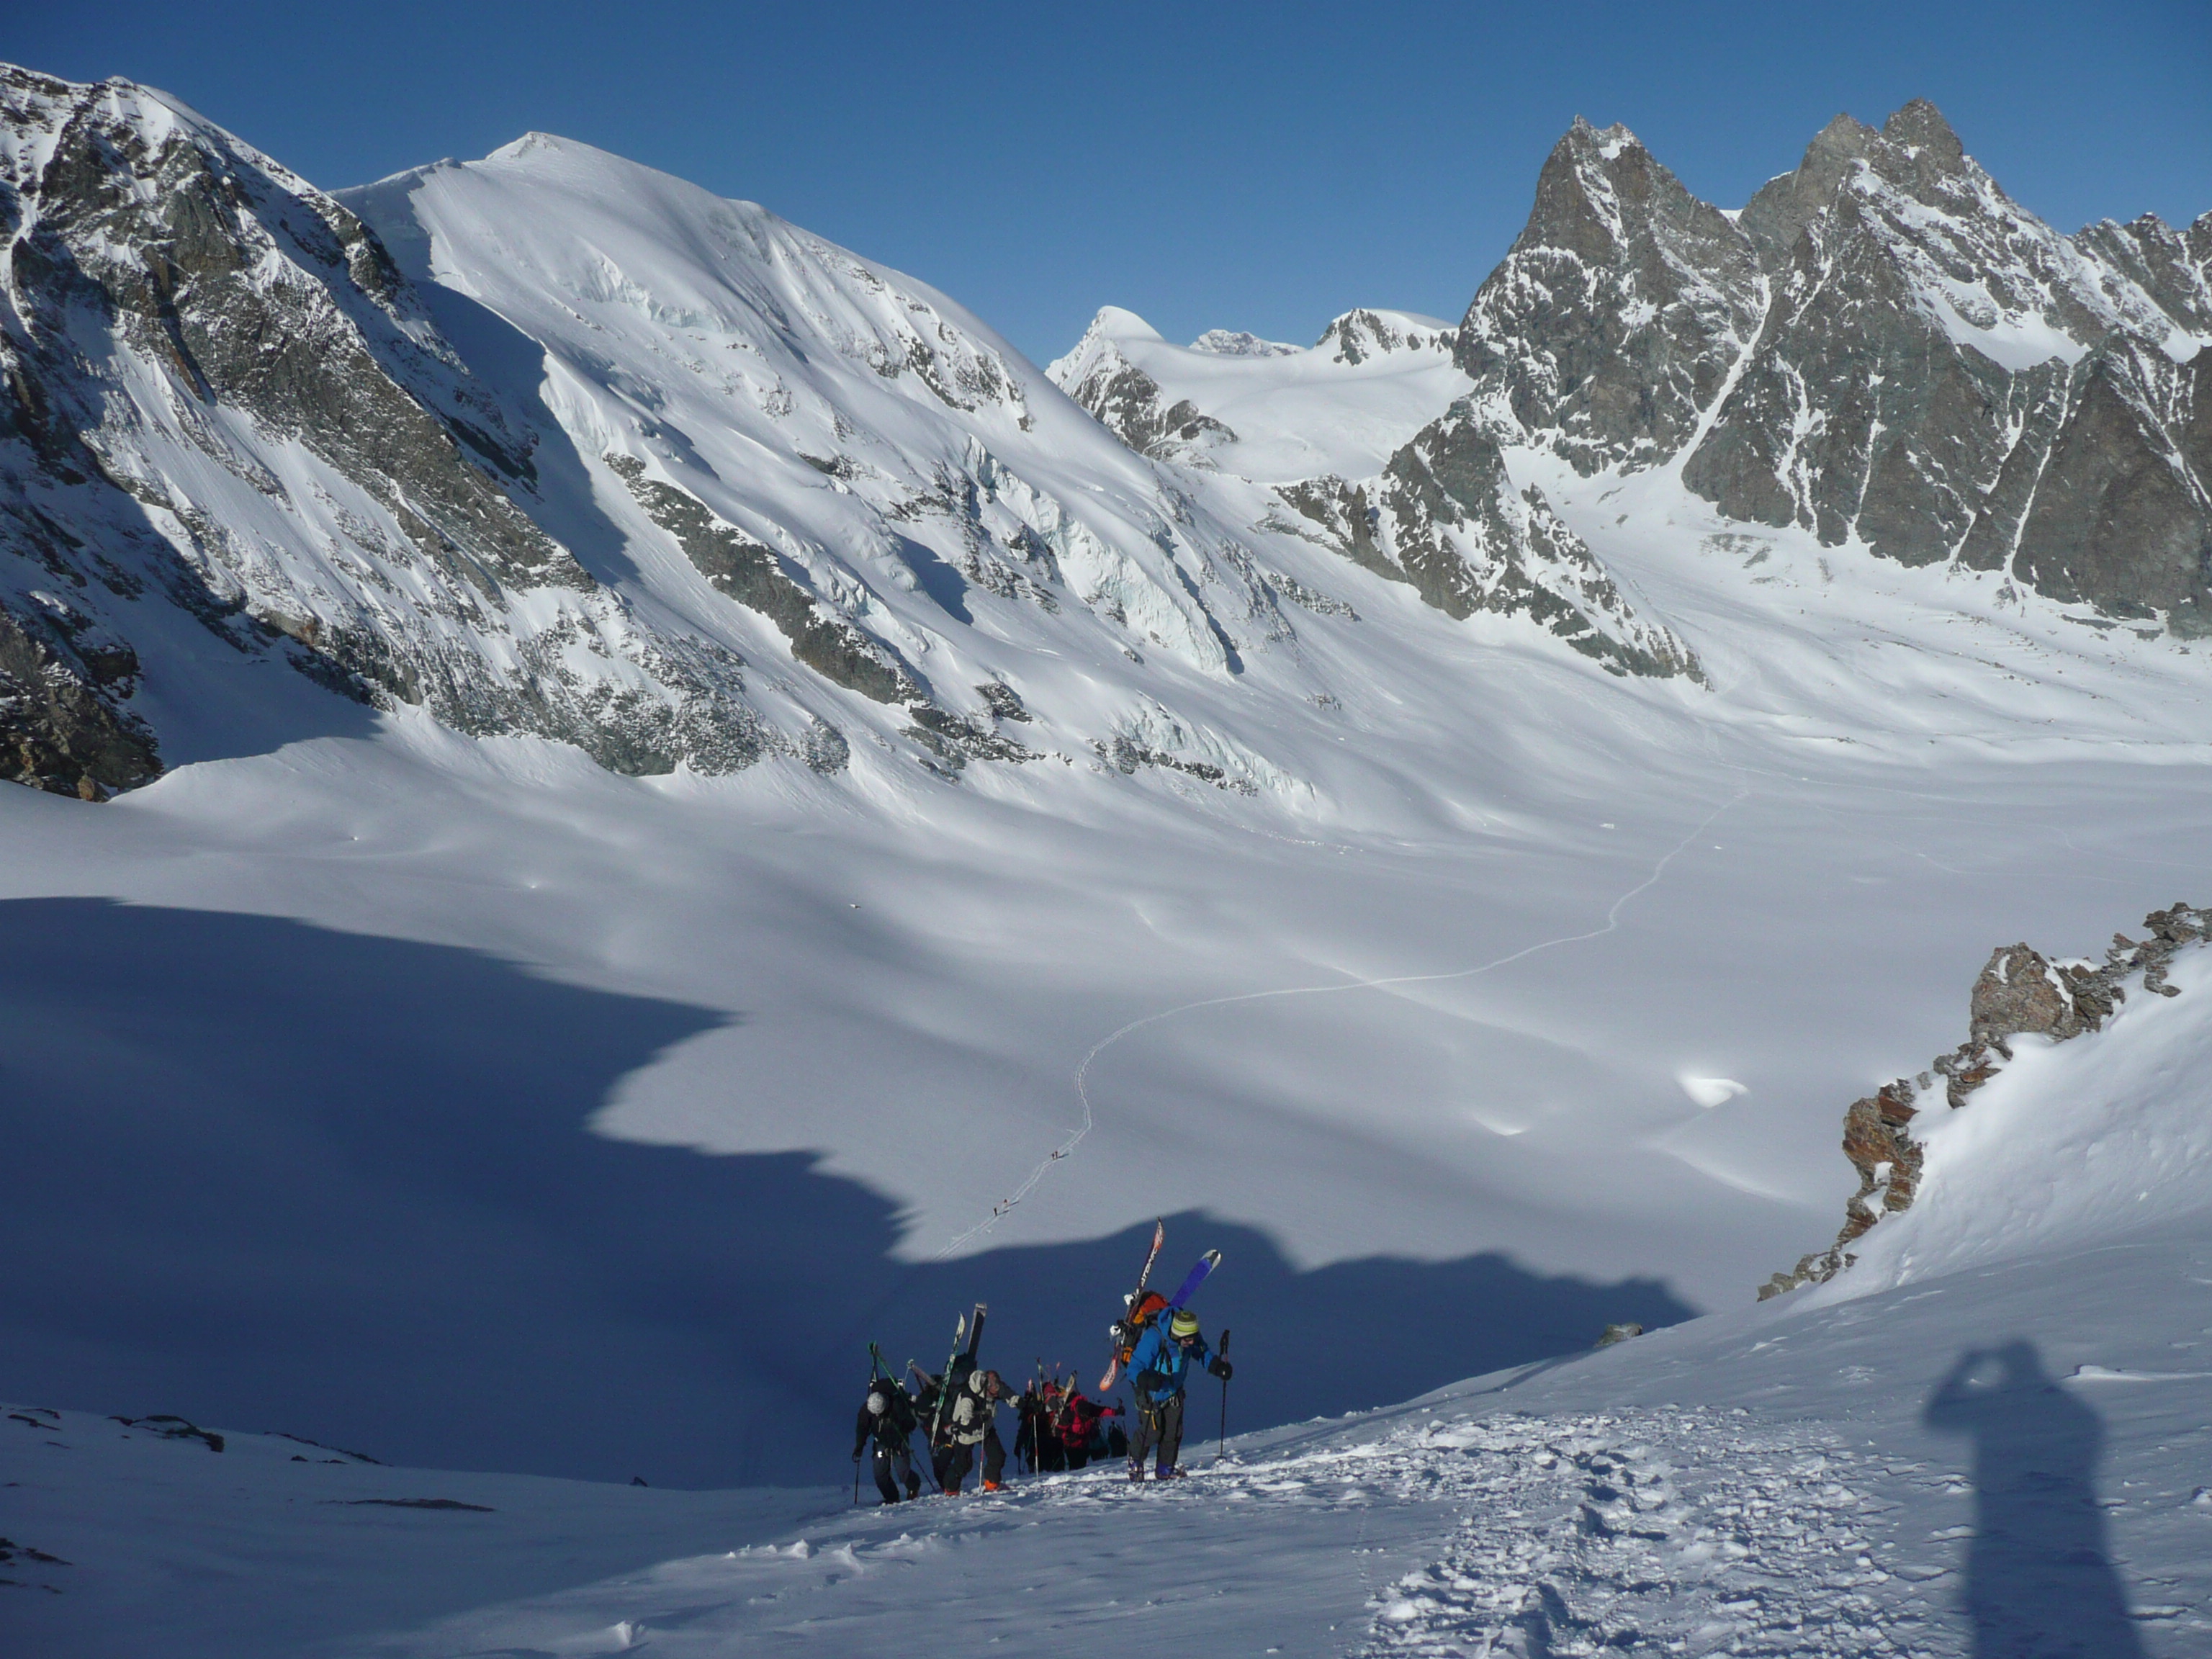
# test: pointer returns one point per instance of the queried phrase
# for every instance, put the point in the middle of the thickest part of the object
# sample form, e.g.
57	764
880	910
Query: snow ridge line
1067	1148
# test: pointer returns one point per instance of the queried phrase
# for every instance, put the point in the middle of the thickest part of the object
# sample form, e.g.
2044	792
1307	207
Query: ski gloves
1220	1368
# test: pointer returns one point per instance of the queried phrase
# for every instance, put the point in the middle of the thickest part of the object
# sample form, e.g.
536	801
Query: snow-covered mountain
1881	348
667	755
552	444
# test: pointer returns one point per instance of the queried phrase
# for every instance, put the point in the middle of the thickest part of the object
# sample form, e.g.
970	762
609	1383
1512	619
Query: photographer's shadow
2040	1584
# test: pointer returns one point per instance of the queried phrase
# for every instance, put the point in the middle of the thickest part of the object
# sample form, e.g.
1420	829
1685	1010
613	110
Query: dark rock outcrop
1130	405
218	392
1445	517
749	573
63	727
1613	323
1881	348
2019	992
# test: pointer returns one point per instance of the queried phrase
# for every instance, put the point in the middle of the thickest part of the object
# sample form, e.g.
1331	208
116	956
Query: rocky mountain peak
1595	189
1240	342
1779	209
1920	126
1357	336
1881	347
1619	310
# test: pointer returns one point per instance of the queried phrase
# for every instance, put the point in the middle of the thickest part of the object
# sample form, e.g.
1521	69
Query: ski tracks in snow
1067	1148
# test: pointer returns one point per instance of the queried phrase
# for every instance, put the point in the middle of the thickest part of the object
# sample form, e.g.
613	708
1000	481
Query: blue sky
1260	166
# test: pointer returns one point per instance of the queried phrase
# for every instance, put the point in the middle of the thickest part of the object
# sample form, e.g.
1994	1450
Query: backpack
1148	1308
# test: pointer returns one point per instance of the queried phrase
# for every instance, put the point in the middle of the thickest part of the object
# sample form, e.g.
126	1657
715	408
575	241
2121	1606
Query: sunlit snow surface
2008	1448
1420	1014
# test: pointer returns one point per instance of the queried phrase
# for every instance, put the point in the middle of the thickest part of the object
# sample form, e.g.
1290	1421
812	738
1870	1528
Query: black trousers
890	1461
954	1461
1160	1424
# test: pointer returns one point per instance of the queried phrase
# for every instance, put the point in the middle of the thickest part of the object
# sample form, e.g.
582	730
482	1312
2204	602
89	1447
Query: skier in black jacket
887	1415
967	1423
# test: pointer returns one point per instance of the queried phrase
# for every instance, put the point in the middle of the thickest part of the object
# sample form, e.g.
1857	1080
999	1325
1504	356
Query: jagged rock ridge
1443	515
2019	992
1882	346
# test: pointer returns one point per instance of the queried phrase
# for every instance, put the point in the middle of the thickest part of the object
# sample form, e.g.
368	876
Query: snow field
1678	1530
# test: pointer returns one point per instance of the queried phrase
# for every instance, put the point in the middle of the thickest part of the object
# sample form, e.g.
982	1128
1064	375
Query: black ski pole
1221	1450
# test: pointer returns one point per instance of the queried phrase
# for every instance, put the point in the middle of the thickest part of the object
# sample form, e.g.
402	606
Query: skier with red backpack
1080	1436
1158	1363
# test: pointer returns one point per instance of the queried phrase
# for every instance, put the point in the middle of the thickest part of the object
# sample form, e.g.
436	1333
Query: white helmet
877	1404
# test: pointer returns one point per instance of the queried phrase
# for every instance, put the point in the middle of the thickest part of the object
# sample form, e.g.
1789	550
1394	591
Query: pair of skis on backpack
1136	1316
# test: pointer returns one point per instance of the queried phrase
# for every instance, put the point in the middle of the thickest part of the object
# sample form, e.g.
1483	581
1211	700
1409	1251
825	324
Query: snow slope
1341	405
2004	1450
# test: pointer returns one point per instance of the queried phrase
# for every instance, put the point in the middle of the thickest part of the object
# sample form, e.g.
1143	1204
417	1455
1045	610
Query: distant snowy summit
552	444
1882	348
1234	342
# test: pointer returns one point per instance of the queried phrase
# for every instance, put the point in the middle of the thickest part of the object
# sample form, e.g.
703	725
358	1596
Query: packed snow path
1687	1531
1577	1533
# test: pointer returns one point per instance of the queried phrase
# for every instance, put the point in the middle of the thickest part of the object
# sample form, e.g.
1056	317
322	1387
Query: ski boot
1175	1472
995	1486
1136	1471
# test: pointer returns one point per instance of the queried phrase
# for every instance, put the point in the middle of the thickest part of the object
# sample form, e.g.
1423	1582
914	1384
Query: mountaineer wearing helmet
970	1422
1157	1365
887	1415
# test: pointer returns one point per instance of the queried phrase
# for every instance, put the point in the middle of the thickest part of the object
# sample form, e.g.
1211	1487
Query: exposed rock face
1444	516
1612	324
751	575
1882	347
233	405
1237	343
2019	992
63	725
1358	336
205	359
1130	405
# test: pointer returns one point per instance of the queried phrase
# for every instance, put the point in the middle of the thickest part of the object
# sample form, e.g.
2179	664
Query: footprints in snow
1664	1531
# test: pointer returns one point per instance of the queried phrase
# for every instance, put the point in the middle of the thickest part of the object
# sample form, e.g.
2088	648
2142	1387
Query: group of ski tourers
1157	1343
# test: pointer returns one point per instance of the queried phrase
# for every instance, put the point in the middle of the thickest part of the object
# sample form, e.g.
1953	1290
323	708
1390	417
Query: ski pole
1221	1450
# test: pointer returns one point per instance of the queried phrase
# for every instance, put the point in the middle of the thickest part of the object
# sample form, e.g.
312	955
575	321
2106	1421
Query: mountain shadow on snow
276	1177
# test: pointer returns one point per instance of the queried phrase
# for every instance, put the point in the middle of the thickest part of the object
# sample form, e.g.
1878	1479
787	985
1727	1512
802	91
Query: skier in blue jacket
1157	1368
